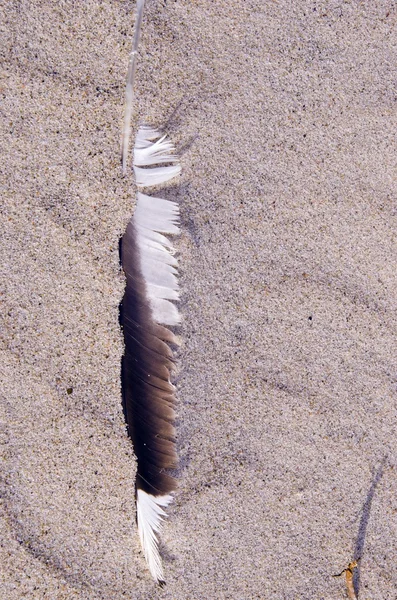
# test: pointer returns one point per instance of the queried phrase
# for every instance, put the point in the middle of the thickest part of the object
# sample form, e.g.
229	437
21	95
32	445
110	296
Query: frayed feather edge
150	515
153	217
148	153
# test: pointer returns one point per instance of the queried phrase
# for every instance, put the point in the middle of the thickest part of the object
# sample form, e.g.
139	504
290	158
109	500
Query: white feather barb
145	135
148	153
150	515
156	214
156	175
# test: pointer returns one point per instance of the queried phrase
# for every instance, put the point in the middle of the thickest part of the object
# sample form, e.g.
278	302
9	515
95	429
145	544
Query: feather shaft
129	90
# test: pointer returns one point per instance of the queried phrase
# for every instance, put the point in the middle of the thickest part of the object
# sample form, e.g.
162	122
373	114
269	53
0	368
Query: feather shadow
362	529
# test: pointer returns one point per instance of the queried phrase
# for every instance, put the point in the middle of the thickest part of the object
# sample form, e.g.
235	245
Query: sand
284	113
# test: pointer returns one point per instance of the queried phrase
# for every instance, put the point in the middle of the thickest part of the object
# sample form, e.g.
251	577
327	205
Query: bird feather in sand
148	260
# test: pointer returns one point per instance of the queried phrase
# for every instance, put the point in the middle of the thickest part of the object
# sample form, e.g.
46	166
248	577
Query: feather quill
147	257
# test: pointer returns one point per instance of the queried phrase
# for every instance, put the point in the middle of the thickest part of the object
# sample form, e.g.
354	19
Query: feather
150	267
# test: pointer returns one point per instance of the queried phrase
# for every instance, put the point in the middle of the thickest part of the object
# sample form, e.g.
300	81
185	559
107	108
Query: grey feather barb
146	312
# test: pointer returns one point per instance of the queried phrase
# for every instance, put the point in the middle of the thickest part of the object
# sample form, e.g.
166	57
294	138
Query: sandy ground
284	113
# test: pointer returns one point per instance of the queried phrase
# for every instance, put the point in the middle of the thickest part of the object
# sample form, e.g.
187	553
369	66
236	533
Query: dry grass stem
349	572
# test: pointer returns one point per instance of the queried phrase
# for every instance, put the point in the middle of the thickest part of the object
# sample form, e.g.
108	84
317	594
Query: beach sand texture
284	114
